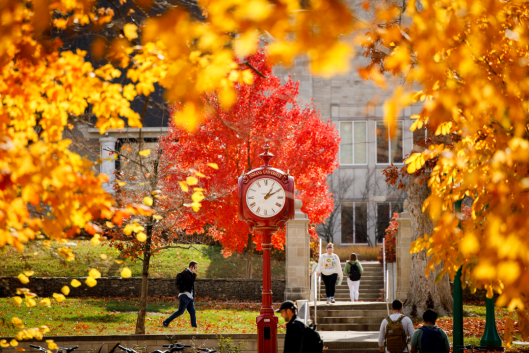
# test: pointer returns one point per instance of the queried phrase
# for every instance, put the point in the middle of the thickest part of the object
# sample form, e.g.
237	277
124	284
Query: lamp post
458	298
490	338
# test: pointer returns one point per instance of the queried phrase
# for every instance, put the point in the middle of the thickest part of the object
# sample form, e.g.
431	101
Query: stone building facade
364	203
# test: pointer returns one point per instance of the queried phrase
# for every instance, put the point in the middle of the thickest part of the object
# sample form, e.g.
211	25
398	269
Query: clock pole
267	320
266	221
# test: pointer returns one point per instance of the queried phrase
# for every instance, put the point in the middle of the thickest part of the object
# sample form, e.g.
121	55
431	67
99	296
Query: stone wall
237	289
90	344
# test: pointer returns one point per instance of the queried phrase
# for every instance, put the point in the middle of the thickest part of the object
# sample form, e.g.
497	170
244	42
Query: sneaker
333	301
164	324
328	302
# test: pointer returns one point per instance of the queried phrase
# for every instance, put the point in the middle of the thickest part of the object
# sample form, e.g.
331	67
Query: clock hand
267	196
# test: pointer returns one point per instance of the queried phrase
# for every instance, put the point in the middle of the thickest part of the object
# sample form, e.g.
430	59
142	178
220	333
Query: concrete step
345	294
350	320
350	313
349	327
350	306
360	290
349	341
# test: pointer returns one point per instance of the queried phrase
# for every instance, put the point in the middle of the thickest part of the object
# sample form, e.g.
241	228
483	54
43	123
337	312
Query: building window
389	150
353	141
354	223
385	212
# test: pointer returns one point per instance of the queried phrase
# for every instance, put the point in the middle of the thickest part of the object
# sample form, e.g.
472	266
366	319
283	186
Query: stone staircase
371	284
350	316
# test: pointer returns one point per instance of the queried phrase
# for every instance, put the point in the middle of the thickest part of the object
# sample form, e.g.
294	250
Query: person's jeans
330	284
353	289
185	303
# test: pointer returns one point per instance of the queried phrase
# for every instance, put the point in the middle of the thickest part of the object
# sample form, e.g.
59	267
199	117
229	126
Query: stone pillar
403	254
297	256
108	164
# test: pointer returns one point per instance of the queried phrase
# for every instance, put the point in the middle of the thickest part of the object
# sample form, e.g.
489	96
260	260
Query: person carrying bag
353	270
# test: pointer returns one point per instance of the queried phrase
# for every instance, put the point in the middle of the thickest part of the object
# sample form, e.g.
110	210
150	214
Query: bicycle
471	348
175	347
59	350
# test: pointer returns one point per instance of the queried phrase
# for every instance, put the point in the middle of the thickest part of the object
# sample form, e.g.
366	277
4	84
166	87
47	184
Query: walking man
185	282
395	331
430	338
294	335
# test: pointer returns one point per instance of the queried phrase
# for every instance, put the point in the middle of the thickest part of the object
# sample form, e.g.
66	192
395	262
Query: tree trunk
140	322
424	293
249	252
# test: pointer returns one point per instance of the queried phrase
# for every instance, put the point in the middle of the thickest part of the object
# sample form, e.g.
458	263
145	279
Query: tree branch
247	63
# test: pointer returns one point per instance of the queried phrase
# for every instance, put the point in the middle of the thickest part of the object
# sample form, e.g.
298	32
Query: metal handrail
386	295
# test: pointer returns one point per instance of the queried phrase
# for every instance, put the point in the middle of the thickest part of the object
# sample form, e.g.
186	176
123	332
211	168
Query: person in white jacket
330	268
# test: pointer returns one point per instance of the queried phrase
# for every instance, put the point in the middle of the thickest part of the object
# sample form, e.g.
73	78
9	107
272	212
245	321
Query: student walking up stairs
371	284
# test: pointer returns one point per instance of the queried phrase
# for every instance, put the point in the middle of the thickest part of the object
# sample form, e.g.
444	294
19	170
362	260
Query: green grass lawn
118	316
474	326
46	262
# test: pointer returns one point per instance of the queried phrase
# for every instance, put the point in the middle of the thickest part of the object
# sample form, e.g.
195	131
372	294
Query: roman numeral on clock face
252	205
258	209
265	212
280	197
278	204
266	181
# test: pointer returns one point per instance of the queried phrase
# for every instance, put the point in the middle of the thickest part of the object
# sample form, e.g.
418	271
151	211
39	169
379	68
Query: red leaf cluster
302	144
391	240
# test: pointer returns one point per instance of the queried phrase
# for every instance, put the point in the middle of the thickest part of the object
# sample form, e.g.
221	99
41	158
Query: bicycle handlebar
39	348
68	350
473	348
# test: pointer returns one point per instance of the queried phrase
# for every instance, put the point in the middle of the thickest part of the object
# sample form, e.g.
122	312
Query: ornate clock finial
266	156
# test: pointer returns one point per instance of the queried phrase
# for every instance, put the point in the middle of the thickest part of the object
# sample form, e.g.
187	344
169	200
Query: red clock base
267	320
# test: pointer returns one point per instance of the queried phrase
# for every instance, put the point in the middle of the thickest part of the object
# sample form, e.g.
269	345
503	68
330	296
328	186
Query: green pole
458	300
458	312
490	335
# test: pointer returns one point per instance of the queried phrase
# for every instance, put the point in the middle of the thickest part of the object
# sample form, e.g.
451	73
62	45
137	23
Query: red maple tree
301	142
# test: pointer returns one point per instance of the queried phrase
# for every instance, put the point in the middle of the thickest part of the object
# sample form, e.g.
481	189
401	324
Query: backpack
312	342
354	274
178	281
396	340
432	340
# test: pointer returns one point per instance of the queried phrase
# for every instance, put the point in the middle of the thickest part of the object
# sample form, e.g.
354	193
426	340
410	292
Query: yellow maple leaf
90	281
131	31
141	237
183	186
45	302
94	273
59	297
125	273
22	278
144	153
75	283
65	290
18	300
191	181
147	201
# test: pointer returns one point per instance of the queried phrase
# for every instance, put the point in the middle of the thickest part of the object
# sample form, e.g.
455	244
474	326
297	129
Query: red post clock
266	203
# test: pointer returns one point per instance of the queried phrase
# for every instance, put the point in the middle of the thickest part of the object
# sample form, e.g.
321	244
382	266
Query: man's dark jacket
187	283
294	336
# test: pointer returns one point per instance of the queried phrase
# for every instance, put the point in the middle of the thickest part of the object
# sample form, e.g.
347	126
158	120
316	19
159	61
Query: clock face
265	197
